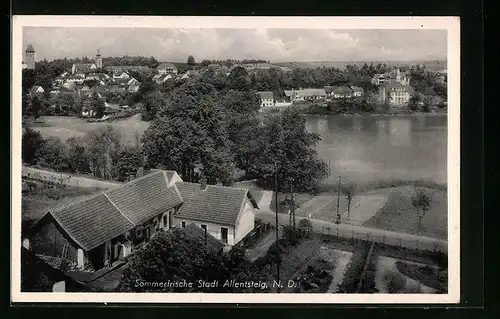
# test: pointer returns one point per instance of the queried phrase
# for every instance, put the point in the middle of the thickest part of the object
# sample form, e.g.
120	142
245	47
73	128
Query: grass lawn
36	203
428	276
65	127
398	214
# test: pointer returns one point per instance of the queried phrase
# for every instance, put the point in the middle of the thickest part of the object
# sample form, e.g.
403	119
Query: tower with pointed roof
30	57
98	60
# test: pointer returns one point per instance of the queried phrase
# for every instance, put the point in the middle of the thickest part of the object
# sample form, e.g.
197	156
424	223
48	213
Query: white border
451	24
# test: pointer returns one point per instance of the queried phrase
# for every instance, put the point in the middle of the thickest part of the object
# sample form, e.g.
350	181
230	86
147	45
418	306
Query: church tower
98	60
30	57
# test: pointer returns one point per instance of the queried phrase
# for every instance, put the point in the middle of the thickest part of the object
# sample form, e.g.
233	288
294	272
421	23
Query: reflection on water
368	148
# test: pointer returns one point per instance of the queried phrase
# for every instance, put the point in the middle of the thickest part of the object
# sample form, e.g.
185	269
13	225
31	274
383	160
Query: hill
436	64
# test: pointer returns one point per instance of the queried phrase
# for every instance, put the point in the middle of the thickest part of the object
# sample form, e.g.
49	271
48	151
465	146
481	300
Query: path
261	247
364	233
340	259
68	179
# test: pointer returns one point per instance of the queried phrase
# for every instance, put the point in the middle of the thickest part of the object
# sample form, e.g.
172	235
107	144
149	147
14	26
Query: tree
349	193
421	200
103	146
53	154
189	132
36	107
78	158
286	142
97	106
190	60
32	141
238	79
176	257
129	161
414	102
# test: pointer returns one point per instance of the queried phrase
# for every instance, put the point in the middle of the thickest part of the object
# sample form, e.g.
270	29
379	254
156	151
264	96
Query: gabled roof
146	197
30	48
266	94
83	67
357	89
214	204
98	218
313	92
92	221
166	66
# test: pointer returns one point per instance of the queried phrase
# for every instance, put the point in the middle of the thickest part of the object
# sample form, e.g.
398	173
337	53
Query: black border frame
472	143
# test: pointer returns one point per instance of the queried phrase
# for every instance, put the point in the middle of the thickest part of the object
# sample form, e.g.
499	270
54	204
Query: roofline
119	210
67	233
205	220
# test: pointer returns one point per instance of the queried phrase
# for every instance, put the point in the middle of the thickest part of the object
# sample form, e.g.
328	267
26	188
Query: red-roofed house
101	229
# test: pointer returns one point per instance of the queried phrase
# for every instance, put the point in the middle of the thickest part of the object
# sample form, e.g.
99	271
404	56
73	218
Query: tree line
100	153
213	129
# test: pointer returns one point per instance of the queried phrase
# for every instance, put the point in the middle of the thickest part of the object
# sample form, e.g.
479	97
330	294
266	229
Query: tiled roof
357	89
214	204
83	67
95	219
166	66
91	221
195	233
306	92
266	94
98	218
144	198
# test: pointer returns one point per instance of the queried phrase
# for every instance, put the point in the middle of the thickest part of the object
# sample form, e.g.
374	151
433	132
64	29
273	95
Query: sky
275	45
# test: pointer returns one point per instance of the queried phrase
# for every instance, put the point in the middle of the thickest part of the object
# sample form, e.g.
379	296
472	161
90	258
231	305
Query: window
165	220
223	232
183	224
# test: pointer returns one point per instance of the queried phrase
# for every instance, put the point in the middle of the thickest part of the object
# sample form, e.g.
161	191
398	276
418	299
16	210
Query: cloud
268	44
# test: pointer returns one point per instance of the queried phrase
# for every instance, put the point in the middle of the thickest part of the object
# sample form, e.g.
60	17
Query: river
371	148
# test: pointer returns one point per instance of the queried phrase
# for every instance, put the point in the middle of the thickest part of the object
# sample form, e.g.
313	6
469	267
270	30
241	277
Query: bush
291	236
305	228
32	142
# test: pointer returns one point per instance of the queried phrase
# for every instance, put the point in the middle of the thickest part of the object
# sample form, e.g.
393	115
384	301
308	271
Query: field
65	127
398	214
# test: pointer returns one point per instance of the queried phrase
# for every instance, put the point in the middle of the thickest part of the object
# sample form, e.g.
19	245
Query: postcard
235	159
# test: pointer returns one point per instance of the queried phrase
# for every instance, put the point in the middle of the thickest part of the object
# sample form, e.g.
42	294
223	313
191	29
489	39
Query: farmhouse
166	68
338	92
266	98
103	228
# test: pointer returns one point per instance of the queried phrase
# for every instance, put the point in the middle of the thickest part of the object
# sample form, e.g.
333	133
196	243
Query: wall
246	221
49	239
212	229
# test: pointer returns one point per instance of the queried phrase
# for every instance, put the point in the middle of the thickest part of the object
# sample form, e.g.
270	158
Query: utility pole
292	200
338	203
277	224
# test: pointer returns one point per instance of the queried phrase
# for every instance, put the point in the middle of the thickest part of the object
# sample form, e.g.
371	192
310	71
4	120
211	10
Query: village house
357	91
395	94
36	90
339	92
304	94
266	98
98	230
166	68
121	75
160	78
82	69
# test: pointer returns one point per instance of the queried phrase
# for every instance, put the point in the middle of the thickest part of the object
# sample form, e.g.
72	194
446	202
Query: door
148	232
223	231
170	219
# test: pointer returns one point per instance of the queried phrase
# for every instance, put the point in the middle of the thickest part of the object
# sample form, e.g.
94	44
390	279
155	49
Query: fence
259	230
386	238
